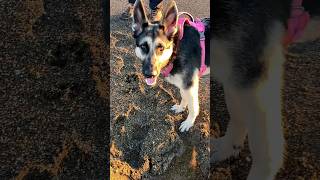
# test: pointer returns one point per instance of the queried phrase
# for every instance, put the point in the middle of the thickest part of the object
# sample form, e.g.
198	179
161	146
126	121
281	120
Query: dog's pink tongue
151	81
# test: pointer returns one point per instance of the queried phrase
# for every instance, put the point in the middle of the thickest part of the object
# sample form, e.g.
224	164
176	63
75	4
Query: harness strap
200	27
296	23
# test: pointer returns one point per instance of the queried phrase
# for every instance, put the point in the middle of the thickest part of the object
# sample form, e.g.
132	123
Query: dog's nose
149	73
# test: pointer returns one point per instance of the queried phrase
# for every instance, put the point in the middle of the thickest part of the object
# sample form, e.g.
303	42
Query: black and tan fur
157	44
247	58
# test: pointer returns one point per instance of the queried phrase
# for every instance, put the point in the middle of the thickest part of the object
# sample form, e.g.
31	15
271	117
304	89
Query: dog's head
154	41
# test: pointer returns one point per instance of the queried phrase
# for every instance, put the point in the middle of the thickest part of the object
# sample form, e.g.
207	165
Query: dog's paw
222	148
177	108
186	125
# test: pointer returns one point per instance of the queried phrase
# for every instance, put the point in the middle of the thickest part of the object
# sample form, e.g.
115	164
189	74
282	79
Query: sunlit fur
159	60
186	60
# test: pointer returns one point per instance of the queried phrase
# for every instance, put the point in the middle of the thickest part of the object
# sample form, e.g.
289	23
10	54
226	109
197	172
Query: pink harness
200	27
296	23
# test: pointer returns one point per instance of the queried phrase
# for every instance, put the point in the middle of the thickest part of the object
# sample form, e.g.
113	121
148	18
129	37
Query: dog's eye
161	27
160	47
144	47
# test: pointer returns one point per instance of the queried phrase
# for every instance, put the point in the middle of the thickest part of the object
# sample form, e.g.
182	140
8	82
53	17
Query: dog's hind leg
232	142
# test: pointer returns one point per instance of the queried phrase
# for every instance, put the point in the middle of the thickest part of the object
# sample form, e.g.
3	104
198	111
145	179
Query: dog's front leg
191	97
265	132
232	142
178	108
264	113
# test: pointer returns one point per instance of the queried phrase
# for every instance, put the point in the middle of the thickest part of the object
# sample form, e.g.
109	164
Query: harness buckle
202	36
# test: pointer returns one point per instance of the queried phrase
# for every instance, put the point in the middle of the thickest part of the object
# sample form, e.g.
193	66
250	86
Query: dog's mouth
151	81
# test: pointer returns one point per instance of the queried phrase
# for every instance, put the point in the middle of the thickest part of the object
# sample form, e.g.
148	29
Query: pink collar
166	70
198	24
296	23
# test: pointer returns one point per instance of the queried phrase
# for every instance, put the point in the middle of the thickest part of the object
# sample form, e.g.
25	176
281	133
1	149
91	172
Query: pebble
248	159
17	72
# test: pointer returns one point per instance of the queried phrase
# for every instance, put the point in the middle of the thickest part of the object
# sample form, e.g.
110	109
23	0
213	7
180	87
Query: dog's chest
175	80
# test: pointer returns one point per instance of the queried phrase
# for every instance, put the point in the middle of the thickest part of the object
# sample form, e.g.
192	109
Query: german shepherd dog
247	51
156	46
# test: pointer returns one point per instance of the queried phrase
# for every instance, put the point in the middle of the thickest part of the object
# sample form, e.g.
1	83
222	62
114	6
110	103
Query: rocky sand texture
53	90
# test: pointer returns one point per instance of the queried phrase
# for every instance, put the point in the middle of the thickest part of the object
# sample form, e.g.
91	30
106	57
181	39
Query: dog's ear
139	17
171	19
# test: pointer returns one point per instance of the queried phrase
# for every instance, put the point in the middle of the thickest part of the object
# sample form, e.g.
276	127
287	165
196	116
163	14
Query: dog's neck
175	47
167	69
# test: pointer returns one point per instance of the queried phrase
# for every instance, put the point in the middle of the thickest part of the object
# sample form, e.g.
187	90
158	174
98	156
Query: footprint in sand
122	40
